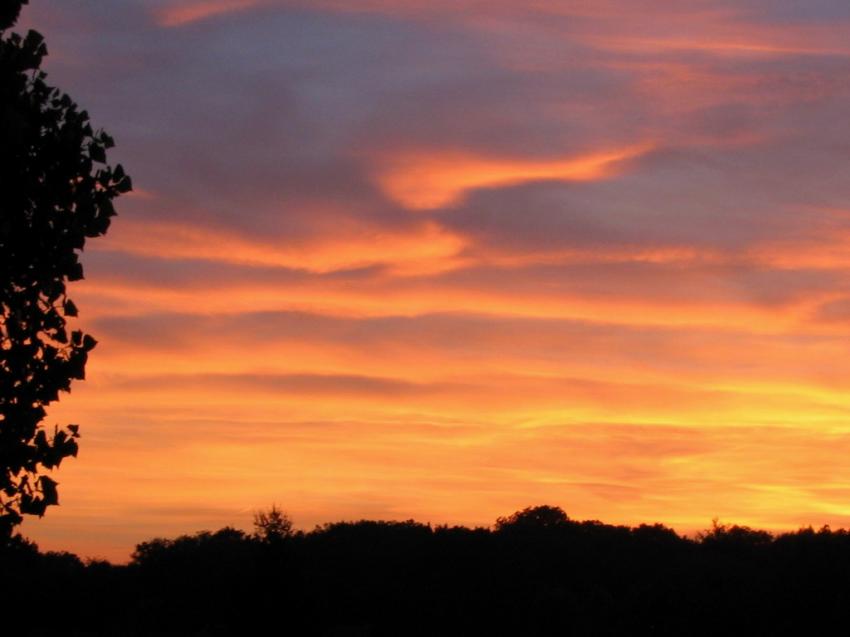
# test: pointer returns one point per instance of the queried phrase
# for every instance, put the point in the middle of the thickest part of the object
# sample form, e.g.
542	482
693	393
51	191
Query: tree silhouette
272	526
55	192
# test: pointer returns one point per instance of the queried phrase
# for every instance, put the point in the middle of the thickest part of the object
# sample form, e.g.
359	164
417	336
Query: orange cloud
423	180
826	248
732	47
425	249
382	298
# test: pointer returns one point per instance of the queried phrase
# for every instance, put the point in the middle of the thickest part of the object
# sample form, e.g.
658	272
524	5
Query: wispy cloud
439	179
423	248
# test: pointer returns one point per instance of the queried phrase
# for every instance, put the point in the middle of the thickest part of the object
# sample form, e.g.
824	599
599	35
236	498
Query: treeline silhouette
536	572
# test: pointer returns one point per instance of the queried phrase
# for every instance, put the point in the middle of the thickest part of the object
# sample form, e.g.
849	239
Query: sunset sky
445	259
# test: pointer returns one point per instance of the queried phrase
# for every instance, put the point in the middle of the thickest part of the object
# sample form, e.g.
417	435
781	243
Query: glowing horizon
444	260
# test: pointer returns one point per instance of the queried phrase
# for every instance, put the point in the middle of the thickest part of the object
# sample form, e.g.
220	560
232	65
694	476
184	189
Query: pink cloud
183	13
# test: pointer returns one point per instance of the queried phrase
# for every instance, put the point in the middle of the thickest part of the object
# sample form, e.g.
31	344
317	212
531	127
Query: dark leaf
75	272
48	489
125	185
97	153
88	343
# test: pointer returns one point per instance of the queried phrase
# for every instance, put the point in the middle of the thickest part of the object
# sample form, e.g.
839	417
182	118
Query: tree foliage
551	576
534	518
56	190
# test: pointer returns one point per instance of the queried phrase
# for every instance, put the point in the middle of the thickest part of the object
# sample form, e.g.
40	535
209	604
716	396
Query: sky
446	259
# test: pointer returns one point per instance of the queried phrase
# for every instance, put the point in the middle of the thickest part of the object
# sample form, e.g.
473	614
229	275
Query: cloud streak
184	13
424	181
424	248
